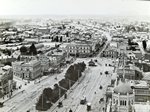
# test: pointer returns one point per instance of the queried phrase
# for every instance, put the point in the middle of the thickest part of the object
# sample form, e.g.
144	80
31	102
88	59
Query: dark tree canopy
32	50
144	44
23	50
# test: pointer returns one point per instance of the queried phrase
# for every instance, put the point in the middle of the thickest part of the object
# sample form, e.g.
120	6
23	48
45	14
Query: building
143	65
110	53
27	70
129	73
142	91
56	58
6	80
123	98
142	107
31	70
80	49
44	60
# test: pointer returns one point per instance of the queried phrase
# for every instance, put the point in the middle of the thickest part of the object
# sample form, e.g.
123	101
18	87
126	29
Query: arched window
124	103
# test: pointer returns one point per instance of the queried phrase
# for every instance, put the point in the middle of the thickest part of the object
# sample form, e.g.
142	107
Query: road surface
87	88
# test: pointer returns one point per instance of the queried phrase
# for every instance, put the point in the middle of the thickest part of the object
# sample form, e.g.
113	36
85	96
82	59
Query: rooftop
142	107
123	88
32	62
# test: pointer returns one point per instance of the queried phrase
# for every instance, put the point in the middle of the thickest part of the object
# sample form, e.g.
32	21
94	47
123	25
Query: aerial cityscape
74	56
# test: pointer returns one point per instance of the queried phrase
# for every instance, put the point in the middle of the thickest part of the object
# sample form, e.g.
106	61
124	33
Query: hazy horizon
74	7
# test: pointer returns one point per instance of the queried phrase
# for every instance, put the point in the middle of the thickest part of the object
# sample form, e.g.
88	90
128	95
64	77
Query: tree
64	83
7	63
32	50
23	50
106	72
97	46
144	44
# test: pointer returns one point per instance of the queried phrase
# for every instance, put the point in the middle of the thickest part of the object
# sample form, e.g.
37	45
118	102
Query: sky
74	7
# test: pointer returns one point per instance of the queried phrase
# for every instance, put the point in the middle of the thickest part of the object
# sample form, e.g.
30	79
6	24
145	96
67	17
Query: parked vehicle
60	104
83	100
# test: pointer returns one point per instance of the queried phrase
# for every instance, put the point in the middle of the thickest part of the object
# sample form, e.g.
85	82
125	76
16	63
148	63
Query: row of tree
28	51
50	96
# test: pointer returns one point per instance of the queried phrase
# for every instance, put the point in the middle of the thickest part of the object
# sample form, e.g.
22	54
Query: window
114	101
125	103
120	102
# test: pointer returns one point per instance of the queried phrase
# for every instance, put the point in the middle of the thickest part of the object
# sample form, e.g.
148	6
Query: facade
80	49
27	70
122	98
56	58
110	53
129	72
44	60
6	80
142	92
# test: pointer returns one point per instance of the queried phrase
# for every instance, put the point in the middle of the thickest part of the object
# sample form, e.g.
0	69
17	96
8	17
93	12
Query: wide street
88	87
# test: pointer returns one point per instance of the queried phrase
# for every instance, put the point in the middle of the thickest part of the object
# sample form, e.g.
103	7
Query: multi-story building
80	49
110	52
129	72
6	80
27	70
142	92
31	70
44	60
123	98
56	58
